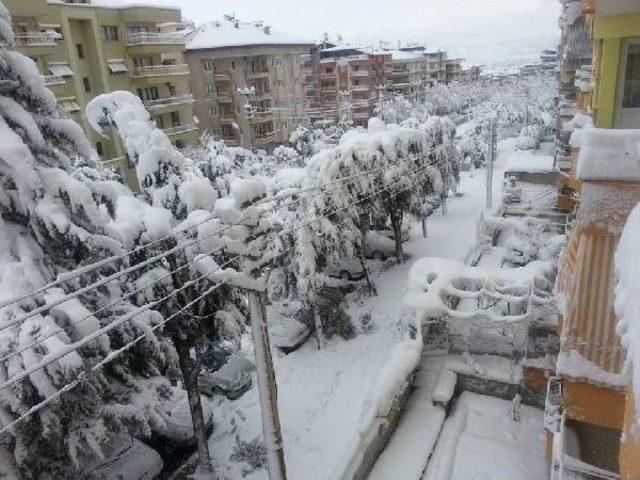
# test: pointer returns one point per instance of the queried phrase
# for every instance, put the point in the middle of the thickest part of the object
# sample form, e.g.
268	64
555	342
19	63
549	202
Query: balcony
359	88
359	73
37	39
221	77
262	95
265	137
224	98
50	80
161	70
154	38
226	118
177	129
261	117
263	73
168	101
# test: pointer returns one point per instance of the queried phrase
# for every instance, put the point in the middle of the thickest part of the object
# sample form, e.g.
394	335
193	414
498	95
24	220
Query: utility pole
490	158
267	386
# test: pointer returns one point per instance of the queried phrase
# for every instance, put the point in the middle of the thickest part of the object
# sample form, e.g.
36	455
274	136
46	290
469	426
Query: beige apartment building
248	80
414	67
453	70
83	49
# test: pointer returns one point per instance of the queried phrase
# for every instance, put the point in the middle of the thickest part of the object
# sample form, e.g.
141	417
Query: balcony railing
265	136
161	70
187	127
164	102
155	38
50	80
359	73
37	39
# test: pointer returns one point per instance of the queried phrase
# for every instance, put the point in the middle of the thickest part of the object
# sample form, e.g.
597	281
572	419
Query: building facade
84	49
248	80
598	69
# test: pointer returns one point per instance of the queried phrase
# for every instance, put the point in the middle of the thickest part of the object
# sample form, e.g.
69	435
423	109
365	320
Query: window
211	88
233	65
80	50
207	65
175	119
179	144
110	33
148	93
99	148
631	95
160	122
213	110
172	90
87	84
143	61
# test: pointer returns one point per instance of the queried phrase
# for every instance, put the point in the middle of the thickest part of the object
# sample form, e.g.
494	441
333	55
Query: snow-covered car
345	268
288	334
125	458
179	427
388	232
379	246
232	380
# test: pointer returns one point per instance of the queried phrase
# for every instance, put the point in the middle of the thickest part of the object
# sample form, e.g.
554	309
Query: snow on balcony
161	70
155	38
37	39
187	127
168	101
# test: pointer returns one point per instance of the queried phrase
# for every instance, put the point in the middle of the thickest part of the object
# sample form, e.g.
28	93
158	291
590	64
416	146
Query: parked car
345	268
379	246
178	422
125	458
288	334
388	232
232	380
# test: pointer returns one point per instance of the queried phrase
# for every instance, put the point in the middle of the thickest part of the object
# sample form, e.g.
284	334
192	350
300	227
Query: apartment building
594	433
413	68
248	80
86	48
453	69
351	79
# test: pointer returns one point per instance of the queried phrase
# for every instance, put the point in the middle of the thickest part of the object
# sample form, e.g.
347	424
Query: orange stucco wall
630	447
604	407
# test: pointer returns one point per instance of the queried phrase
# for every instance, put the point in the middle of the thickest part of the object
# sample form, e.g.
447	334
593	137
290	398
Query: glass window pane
631	98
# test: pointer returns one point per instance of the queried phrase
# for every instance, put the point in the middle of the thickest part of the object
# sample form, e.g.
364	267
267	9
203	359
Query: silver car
232	380
345	268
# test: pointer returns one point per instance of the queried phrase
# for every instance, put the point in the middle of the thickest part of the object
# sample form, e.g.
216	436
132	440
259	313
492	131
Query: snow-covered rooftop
118	4
608	154
405	55
234	33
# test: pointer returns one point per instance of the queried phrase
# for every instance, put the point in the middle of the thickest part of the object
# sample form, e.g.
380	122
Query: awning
60	69
116	65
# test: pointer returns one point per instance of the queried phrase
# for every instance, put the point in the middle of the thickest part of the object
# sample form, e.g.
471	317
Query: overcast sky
483	31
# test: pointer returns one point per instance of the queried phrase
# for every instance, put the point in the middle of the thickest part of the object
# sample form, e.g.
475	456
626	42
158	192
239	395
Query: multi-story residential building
471	74
248	80
409	69
590	396
453	70
436	67
83	49
350	81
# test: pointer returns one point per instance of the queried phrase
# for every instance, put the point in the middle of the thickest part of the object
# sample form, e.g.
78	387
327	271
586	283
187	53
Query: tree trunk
190	369
363	264
424	227
396	223
313	300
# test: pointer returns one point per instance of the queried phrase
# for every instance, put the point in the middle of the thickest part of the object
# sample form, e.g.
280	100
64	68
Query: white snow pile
445	386
526	161
577	125
433	280
480	440
572	364
608	154
627	301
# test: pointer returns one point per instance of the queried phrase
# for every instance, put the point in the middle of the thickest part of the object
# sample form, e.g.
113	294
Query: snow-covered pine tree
53	220
180	196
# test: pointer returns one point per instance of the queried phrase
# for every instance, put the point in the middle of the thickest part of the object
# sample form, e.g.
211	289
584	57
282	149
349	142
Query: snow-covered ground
481	441
324	395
